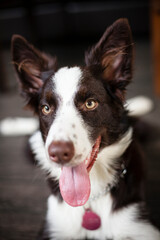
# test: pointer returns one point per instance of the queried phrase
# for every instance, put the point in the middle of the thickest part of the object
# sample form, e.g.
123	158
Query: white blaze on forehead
66	82
68	124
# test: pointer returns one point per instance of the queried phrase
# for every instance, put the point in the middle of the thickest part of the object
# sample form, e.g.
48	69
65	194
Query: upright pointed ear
113	57
30	65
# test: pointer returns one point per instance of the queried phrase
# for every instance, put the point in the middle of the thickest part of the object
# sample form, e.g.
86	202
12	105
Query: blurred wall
48	20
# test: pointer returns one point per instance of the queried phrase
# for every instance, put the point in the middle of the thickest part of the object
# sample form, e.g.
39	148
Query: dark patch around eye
47	98
109	118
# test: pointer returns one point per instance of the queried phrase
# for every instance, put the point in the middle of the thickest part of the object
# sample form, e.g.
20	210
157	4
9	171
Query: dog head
80	109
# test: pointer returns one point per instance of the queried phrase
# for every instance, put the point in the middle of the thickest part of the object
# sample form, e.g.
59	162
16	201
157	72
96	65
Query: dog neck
104	172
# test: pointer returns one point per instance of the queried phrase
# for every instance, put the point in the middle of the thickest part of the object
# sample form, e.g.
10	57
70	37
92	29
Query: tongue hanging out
75	185
74	181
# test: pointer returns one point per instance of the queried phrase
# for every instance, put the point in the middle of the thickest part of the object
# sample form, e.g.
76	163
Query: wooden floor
23	191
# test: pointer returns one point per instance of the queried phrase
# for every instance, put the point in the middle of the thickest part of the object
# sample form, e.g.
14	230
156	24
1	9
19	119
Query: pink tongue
75	185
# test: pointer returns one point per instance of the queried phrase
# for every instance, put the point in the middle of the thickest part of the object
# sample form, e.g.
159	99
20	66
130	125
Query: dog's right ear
30	64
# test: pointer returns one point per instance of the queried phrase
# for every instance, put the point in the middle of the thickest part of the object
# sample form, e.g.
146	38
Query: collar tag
91	221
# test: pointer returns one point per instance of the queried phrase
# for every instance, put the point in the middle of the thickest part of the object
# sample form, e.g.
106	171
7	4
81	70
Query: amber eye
91	104
46	109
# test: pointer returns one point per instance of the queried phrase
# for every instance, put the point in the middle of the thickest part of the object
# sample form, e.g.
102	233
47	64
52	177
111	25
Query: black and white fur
63	93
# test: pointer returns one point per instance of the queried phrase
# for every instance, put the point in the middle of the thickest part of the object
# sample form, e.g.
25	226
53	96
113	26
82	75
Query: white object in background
139	106
18	126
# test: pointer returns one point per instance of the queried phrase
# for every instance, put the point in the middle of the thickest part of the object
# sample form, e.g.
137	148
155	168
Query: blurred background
66	29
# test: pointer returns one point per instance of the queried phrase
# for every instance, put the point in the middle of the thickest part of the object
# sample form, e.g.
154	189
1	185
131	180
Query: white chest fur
65	222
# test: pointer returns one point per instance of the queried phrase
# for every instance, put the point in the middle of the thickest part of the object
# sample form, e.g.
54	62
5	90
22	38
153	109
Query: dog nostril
66	155
61	151
53	157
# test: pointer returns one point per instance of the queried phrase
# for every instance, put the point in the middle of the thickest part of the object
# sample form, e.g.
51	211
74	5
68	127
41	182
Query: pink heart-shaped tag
91	221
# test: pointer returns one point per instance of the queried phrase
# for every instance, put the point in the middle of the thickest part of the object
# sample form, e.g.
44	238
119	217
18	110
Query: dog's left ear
113	56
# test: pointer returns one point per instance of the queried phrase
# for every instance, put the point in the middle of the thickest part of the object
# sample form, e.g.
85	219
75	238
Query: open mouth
74	182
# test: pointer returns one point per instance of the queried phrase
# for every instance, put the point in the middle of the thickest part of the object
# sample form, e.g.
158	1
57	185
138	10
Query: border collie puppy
86	142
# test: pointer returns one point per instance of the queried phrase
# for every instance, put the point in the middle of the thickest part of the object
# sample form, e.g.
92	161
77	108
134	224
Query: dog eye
91	104
46	109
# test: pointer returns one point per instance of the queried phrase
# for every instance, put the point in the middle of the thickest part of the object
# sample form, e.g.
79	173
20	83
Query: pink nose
61	151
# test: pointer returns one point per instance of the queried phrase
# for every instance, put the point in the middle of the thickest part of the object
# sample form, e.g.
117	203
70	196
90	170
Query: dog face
80	108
